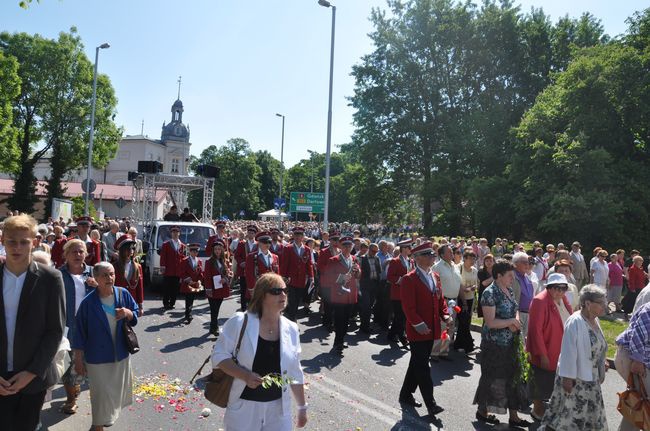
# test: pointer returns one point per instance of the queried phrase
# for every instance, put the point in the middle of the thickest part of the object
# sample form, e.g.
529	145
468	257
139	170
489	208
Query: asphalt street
357	392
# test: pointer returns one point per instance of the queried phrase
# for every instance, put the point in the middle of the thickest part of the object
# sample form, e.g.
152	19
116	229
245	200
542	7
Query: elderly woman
498	389
100	349
577	400
548	313
636	281
633	354
615	285
599	269
468	286
78	282
270	346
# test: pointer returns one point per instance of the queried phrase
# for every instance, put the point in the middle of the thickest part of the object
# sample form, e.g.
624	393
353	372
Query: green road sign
307	202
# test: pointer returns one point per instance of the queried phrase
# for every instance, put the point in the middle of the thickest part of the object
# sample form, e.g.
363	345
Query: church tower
176	137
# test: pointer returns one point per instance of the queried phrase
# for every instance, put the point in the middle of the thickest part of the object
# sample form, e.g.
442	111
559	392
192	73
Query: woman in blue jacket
100	349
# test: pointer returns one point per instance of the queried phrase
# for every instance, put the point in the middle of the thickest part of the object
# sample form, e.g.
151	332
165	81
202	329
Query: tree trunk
54	185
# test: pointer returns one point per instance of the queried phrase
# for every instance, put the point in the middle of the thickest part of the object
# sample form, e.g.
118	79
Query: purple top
636	338
615	274
527	292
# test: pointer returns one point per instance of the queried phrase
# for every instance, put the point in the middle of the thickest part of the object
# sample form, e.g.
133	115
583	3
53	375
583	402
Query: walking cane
200	369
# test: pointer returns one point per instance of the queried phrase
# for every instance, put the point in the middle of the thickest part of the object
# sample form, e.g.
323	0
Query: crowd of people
541	340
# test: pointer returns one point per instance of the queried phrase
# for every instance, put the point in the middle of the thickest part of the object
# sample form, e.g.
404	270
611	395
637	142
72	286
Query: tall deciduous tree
9	90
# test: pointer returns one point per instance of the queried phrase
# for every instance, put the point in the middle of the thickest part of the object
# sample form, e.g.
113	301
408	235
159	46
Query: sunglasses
277	291
562	287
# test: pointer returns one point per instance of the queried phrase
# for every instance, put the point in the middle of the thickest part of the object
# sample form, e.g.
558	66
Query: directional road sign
307	202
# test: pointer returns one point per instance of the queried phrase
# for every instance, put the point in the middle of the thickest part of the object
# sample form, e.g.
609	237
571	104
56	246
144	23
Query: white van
158	232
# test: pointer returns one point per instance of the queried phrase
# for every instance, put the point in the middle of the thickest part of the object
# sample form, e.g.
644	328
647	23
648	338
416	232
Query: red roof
111	191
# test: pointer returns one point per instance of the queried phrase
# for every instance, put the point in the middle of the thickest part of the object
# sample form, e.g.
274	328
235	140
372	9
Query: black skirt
540	385
498	388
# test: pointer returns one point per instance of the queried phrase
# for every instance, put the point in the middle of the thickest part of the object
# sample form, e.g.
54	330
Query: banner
61	208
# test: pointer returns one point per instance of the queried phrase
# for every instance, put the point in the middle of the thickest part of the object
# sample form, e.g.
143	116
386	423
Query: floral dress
583	408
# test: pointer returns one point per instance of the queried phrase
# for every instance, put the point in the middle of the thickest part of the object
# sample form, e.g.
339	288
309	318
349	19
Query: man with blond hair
32	315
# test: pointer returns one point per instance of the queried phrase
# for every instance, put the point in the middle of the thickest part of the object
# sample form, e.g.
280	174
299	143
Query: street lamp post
281	172
92	129
326	3
311	160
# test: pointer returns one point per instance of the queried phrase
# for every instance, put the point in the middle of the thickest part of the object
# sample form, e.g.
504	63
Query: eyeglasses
277	291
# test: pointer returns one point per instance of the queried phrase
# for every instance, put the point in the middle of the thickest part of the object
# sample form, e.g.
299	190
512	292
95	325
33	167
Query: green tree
238	185
269	178
79	205
9	90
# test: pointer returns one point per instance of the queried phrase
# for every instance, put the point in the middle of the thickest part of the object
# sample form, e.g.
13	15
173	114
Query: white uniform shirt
12	287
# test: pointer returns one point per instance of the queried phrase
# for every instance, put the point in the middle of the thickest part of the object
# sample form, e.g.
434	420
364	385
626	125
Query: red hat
298	230
346	240
424	249
175	227
218	241
274	230
252	228
220	223
405	243
263	236
334	235
194	246
84	220
123	241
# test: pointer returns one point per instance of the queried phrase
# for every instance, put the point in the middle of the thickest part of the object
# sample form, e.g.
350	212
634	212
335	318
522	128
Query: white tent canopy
271	214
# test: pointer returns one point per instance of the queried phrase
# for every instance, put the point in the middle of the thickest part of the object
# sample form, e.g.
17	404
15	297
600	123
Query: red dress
195	273
255	267
421	305
134	284
211	269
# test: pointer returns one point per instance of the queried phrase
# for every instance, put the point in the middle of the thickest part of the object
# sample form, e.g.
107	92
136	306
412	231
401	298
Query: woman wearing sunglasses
270	346
548	313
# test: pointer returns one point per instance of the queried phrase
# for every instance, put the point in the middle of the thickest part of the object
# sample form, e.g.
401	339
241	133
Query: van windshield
189	235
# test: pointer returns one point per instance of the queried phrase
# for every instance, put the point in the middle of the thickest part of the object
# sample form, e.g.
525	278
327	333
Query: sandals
489	419
69	408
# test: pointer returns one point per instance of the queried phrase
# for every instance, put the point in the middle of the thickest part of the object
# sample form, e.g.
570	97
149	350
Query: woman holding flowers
270	347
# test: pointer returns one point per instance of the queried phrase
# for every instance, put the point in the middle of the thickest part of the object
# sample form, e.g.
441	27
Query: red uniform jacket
277	249
171	259
322	263
296	268
208	247
212	269
396	270
421	305
196	274
255	267
94	252
134	284
337	294
243	250
57	252
545	329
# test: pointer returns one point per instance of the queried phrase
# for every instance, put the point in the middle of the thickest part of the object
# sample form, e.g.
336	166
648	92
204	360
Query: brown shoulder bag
634	404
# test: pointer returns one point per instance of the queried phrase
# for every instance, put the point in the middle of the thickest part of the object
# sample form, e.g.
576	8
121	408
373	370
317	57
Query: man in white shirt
450	280
32	312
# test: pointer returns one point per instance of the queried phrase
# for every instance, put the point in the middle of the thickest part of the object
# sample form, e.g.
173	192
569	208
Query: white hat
556	278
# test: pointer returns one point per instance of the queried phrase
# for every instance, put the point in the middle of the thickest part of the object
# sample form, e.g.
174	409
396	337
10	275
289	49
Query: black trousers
189	302
341	314
215	305
399	319
382	305
21	412
464	338
242	293
171	286
419	372
296	295
327	305
367	301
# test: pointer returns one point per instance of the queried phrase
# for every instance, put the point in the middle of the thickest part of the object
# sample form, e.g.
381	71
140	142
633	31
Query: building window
175	166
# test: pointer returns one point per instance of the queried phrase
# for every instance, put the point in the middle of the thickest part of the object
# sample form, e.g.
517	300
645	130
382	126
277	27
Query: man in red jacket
221	234
172	254
260	262
424	307
57	247
244	248
397	268
297	269
325	279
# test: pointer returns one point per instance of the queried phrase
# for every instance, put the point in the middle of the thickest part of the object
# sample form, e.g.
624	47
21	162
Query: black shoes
521	423
409	401
489	419
188	319
434	409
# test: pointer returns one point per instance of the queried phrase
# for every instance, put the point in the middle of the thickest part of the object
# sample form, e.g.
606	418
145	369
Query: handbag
217	388
634	404
130	338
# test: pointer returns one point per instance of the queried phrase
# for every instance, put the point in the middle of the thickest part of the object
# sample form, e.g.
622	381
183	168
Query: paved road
357	392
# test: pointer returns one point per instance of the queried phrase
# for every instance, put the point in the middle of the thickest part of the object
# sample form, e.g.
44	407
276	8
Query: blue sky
241	61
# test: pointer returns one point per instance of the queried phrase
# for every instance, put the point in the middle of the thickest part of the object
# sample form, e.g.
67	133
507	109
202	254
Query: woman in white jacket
270	347
577	400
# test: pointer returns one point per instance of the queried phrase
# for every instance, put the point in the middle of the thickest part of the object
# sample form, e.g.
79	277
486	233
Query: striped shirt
636	338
